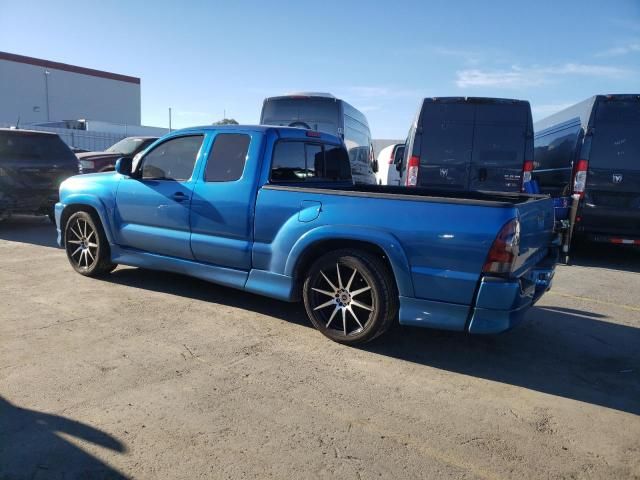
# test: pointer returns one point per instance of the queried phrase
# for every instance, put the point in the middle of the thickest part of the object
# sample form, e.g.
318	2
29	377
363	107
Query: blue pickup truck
273	210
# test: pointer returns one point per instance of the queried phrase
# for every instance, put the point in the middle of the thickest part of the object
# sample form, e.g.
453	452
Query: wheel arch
87	204
380	244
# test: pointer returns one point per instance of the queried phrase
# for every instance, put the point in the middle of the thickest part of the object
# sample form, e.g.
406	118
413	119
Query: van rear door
503	134
612	195
446	144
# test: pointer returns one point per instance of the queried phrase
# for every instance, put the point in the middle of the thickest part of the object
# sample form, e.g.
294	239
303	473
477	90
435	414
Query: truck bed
483	198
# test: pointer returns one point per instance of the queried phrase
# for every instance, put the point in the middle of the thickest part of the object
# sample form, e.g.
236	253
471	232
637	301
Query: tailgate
536	232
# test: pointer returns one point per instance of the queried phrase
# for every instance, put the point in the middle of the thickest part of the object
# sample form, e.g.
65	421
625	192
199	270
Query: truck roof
285	132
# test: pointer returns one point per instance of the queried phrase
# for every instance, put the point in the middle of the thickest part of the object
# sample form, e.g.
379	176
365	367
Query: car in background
470	144
93	162
592	149
32	167
323	112
389	165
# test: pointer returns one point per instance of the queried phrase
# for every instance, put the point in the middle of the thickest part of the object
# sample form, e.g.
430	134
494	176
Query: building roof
39	62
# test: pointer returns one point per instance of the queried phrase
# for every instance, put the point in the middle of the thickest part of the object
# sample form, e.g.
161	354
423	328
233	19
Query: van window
227	158
616	143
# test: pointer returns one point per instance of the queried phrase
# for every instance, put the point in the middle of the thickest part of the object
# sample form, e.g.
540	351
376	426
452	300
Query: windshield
321	114
126	146
33	147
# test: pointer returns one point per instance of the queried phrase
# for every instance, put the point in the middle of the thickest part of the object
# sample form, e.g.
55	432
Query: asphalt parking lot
154	375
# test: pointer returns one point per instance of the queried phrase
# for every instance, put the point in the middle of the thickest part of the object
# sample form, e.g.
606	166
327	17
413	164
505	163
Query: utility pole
46	91
169	119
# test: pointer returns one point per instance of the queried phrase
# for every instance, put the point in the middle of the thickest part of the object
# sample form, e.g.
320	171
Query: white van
389	165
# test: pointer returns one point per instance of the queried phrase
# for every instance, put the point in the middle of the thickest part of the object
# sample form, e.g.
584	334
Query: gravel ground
155	375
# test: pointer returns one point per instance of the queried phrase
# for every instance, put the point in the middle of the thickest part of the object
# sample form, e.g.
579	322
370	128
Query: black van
593	149
32	166
465	143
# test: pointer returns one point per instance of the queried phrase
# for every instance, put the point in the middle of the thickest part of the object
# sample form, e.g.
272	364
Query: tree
226	121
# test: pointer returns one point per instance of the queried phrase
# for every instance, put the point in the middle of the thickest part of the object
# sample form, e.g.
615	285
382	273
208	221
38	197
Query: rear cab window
300	161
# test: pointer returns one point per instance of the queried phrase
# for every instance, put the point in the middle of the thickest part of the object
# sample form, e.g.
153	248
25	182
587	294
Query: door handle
179	197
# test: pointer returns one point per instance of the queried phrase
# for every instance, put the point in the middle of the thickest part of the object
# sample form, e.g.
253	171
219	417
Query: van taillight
526	173
504	249
580	177
412	171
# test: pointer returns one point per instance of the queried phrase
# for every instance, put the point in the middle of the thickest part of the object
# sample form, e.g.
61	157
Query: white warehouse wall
72	95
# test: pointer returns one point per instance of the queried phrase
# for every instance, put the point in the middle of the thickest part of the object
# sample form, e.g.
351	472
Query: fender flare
387	242
94	202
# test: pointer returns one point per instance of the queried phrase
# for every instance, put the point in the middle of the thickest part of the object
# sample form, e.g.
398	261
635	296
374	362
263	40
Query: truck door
499	143
224	200
152	210
445	153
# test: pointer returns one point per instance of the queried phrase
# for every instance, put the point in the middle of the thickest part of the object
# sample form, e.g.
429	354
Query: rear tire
86	245
350	296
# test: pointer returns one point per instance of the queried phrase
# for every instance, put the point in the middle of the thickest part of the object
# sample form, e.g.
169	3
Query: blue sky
204	57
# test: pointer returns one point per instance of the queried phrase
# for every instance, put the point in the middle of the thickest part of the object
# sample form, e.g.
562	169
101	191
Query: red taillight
392	156
527	168
412	171
311	133
504	249
580	177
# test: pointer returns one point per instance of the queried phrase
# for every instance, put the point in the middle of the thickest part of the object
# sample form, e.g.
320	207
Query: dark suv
93	162
32	166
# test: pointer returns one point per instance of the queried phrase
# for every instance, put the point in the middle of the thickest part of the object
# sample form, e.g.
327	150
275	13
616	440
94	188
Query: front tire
350	296
86	245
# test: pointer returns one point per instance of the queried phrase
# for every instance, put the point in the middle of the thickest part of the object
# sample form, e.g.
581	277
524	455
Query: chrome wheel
345	307
82	243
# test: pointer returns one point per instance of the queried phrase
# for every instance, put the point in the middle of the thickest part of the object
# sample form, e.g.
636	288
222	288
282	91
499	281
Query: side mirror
374	166
399	156
124	165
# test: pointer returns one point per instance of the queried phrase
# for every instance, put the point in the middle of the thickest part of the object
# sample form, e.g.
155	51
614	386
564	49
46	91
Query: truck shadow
36	230
566	352
31	446
559	351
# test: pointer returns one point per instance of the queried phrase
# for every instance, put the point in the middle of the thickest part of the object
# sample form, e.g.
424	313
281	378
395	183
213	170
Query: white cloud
620	50
518	77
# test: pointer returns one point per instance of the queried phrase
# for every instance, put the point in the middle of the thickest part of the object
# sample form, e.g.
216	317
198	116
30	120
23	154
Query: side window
299	161
288	163
172	160
227	158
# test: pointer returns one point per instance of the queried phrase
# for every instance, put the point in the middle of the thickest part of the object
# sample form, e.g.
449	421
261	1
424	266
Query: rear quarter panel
437	250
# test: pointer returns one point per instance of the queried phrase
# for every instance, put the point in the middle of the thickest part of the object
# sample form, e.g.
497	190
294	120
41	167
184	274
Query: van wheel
86	245
350	296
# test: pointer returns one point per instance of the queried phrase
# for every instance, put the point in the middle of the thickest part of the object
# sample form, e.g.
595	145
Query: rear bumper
27	201
501	304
